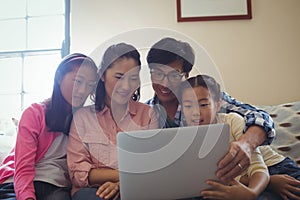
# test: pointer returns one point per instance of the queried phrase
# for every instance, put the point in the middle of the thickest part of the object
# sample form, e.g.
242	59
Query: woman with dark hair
114	54
37	168
91	150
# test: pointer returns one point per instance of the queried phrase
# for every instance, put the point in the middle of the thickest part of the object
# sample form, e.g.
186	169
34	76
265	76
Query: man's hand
234	162
285	186
238	157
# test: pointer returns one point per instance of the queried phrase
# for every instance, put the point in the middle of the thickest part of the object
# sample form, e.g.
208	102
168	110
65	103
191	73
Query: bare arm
253	137
102	175
258	183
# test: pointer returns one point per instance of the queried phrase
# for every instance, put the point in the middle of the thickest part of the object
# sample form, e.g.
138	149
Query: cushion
287	125
8	131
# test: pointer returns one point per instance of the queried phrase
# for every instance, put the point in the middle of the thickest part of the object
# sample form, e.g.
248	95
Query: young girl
91	150
201	101
37	166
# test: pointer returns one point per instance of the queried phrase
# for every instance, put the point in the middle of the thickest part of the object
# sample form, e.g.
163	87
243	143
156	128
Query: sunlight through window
32	36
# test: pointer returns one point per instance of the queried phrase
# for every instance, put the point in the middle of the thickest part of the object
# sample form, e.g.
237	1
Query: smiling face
78	84
121	80
165	89
198	106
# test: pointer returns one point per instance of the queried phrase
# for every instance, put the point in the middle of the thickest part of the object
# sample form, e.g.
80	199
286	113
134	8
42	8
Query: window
34	37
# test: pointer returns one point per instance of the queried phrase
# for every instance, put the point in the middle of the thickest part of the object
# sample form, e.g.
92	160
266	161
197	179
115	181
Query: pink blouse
92	139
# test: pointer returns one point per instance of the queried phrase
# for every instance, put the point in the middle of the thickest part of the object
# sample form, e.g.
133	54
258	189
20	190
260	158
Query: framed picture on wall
206	10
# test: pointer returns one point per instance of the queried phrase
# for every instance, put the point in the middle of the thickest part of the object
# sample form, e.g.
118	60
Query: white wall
258	58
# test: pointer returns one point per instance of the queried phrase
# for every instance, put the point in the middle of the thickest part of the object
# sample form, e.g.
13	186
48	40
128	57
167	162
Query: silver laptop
170	163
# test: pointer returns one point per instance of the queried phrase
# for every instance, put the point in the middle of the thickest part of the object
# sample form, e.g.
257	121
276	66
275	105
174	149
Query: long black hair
59	112
111	55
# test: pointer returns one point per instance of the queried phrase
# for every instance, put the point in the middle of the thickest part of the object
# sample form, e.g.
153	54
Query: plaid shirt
252	115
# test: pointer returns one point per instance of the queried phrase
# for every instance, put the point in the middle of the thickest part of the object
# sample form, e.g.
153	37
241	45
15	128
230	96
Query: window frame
22	54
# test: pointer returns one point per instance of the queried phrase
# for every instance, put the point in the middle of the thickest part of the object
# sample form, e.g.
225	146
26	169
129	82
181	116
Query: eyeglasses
174	76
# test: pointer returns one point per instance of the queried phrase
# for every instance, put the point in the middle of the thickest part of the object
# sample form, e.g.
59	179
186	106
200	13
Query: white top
54	164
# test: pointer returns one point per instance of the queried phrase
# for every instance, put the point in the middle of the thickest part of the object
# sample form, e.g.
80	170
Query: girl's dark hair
59	112
168	50
205	81
112	54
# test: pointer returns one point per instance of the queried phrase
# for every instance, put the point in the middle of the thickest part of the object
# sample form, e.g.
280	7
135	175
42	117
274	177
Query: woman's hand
109	190
285	186
235	190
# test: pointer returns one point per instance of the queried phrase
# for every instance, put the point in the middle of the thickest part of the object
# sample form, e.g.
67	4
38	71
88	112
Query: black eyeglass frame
169	77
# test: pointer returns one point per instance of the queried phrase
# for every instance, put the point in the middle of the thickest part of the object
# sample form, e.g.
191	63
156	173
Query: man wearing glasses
165	82
170	62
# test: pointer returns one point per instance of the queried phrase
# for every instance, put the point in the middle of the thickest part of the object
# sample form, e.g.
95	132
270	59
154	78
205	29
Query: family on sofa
56	155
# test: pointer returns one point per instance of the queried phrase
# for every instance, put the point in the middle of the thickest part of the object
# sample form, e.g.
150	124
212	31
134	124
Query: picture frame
207	10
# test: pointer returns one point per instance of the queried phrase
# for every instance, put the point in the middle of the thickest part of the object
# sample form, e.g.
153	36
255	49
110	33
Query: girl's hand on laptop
109	190
235	190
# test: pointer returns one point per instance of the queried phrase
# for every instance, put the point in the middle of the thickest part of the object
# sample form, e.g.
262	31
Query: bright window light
31	38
